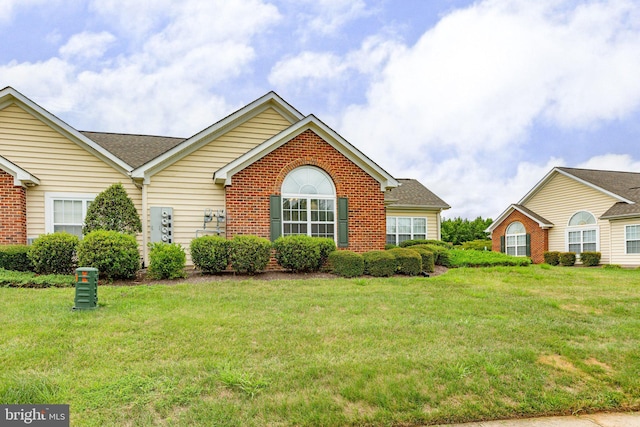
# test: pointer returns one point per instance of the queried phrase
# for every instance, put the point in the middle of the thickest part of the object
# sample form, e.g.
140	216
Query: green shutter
275	214
343	222
502	248
528	237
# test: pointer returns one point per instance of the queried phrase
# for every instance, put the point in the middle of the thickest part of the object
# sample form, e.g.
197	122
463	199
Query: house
575	210
265	170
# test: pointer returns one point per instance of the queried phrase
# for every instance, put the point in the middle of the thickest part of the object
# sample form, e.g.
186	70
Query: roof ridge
133	134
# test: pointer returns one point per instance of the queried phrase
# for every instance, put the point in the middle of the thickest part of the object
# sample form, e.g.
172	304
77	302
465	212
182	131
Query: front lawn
471	344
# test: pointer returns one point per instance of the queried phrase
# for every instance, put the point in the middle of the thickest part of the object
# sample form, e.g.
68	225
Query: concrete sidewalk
625	419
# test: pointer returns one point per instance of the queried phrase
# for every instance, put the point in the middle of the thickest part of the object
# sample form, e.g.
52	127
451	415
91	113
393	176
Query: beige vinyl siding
60	164
618	243
562	197
187	186
432	218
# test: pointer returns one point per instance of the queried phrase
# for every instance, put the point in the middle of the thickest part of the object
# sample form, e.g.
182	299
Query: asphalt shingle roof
412	193
135	150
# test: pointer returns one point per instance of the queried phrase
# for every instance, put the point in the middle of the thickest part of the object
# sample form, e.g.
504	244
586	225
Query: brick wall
247	198
13	211
539	236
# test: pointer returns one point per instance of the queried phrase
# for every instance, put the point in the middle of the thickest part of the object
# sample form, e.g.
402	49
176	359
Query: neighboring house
265	170
575	210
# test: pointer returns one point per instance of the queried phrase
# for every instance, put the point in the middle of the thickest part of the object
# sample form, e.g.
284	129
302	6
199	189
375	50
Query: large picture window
516	239
401	228
308	203
66	212
632	239
582	233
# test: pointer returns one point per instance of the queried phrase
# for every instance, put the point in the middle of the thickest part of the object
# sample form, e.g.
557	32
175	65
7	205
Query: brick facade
539	236
247	198
13	211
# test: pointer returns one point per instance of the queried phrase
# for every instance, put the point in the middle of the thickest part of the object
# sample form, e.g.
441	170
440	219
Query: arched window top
516	228
582	218
308	180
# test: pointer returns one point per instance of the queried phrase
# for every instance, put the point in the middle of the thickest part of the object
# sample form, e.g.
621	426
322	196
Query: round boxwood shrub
114	254
428	258
210	253
249	254
15	258
380	263
166	261
551	257
409	261
298	253
590	259
567	259
326	246
54	253
440	253
346	263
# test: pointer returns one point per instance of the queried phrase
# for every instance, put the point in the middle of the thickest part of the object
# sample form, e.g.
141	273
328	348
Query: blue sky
476	99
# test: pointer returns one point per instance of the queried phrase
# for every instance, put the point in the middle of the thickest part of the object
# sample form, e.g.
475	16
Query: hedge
552	257
567	259
166	261
409	261
298	253
380	263
249	254
590	259
114	254
15	258
428	258
346	263
210	253
54	253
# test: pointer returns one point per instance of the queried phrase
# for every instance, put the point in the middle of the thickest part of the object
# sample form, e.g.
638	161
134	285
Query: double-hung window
308	203
516	239
632	239
582	233
401	228
66	212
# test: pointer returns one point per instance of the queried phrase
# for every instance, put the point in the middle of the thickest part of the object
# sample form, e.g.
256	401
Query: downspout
145	224
439	226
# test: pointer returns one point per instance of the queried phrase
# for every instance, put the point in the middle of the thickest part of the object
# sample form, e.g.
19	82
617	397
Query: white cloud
8	7
615	162
326	17
87	45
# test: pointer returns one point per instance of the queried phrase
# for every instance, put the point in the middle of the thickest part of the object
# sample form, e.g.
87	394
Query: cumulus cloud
475	85
8	7
326	17
87	45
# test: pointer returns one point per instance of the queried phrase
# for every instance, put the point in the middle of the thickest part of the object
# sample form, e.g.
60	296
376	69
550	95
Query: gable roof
135	150
412	194
10	96
225	174
202	138
20	176
542	222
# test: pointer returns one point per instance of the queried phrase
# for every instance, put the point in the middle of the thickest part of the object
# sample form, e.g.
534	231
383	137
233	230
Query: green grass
471	344
476	258
25	279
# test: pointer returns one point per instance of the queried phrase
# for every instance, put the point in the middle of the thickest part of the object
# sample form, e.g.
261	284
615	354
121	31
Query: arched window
516	239
582	233
308	203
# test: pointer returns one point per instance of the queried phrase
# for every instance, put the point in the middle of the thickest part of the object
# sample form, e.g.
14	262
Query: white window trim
426	226
48	205
627	240
309	197
586	225
582	228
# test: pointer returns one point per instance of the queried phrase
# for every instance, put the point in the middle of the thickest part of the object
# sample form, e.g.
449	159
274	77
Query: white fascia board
20	176
224	174
507	212
202	138
10	96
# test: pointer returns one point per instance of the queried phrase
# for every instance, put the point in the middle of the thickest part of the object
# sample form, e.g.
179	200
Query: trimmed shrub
15	258
28	279
552	257
567	259
326	245
249	254
298	253
380	263
388	246
346	263
428	258
409	261
414	242
473	258
114	254
590	259
210	253
112	210
440	253
478	245
54	253
166	261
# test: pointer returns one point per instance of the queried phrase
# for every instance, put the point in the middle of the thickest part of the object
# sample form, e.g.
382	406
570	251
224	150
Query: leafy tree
458	230
113	210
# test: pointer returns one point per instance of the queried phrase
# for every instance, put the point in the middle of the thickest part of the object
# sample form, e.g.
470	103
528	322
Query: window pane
633	232
589	236
404	226
574	237
391	239
403	237
391	225
574	248
633	247
589	247
419	226
515	228
419	236
511	240
511	250
522	240
72	229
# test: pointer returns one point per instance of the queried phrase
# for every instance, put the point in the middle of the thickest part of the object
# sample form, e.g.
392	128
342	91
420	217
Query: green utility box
86	288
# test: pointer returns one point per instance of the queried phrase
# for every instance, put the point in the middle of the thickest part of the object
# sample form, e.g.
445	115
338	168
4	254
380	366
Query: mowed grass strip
471	344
